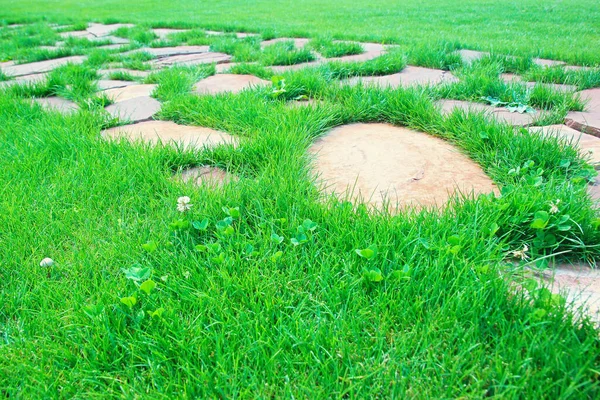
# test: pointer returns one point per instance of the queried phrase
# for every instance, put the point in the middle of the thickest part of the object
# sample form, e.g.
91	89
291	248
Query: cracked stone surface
59	104
41	66
361	161
547	63
129	92
192	59
587	121
206	175
499	113
171	51
167	132
409	76
135	109
231	83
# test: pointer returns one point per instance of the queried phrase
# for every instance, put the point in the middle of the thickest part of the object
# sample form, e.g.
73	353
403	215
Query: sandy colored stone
163	33
100	30
365	56
167	132
511	78
57	104
231	83
113	39
501	114
409	76
374	162
106	84
366	46
589	145
41	66
129	92
205	175
295	67
110	47
76	34
171	51
192	59
592	99
25	80
586	122
579	284
133	72
468	56
298	42
547	63
242	35
135	110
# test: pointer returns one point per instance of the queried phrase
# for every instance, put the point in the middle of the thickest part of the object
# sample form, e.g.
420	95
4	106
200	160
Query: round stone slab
377	162
135	110
129	92
228	83
167	132
205	175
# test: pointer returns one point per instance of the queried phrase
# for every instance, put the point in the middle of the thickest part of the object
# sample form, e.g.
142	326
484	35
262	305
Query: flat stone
49	48
468	56
110	47
242	35
129	92
366	46
224	83
163	33
57	104
167	132
365	56
114	39
589	145
547	63
76	34
298	42
501	114
41	66
100	30
132	72
592	99
409	76
192	59
105	84
205	175
25	80
135	109
587	121
511	78
171	51
295	67
579	284
362	161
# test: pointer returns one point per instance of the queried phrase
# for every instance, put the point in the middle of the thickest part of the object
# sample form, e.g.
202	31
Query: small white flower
187	274
554	206
47	262
522	254
183	204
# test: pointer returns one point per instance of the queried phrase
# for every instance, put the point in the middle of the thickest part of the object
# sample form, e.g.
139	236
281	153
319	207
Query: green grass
266	288
329	49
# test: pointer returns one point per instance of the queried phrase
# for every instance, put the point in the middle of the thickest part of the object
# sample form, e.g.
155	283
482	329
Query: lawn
263	287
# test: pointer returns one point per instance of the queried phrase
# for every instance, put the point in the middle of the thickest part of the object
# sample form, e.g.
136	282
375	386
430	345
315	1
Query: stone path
499	113
361	161
298	42
587	121
135	109
228	83
207	175
129	92
105	84
57	104
409	76
41	66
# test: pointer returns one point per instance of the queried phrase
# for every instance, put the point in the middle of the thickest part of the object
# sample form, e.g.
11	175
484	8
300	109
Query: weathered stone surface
298	42
135	109
167	132
587	121
205	175
241	35
129	92
110	47
105	84
76	34
547	63
133	72
468	56
25	80
231	83
163	33
57	104
499	113
171	51
409	76
365	56
580	285
511	78
192	59
295	67
100	30
588	144
113	39
41	66
377	162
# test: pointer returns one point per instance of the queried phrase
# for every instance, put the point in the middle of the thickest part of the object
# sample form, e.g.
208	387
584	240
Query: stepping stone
225	67
171	51
57	104
41	66
580	285
105	84
501	114
366	56
228	83
298	42
162	33
113	39
588	144
362	161
547	63
587	121
468	56
135	110
25	80
110	47
205	175
192	59
49	48
366	46
132	72
129	92
100	30
295	67
76	34
167	132
242	35
511	78
409	76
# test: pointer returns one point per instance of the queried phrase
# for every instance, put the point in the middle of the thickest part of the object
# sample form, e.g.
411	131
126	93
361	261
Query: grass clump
241	50
330	49
139	34
285	53
389	63
435	55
